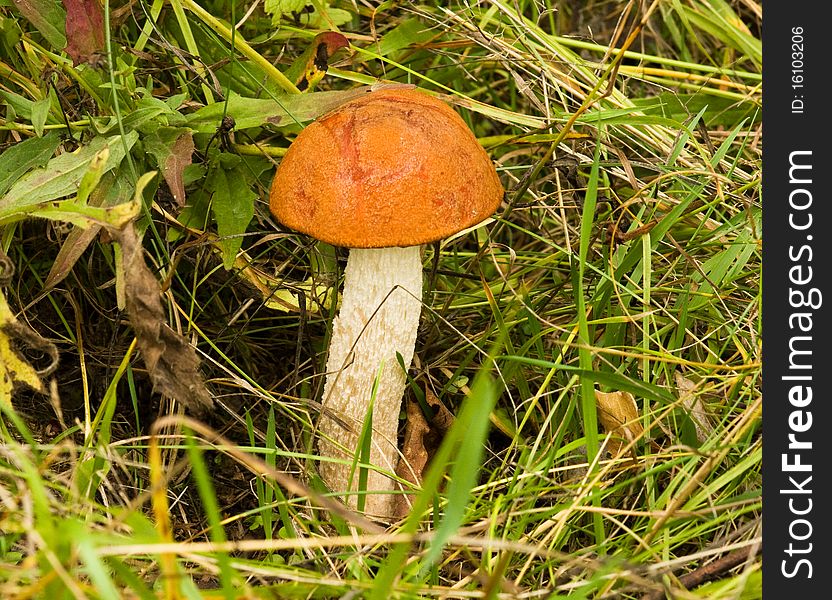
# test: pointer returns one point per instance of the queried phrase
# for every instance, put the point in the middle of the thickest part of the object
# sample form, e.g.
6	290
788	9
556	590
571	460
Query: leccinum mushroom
380	175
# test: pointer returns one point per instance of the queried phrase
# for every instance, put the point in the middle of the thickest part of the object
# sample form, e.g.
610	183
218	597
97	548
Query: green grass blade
211	509
585	358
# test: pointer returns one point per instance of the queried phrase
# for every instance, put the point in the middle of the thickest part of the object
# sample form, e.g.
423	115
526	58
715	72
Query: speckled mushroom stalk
380	175
379	317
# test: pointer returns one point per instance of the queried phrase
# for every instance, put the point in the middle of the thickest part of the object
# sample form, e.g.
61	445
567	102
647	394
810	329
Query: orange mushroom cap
396	167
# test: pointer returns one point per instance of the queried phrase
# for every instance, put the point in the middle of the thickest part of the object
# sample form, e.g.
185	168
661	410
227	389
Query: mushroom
380	175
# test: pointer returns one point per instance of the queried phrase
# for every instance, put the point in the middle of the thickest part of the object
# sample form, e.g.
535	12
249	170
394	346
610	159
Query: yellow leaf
13	369
619	417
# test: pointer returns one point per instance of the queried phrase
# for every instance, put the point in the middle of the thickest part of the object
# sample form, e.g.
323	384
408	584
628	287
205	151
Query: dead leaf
693	403
173	148
171	361
173	167
74	246
14	369
421	441
414	453
619	417
84	29
109	192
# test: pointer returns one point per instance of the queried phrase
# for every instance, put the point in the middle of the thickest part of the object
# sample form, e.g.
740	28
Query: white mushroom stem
379	317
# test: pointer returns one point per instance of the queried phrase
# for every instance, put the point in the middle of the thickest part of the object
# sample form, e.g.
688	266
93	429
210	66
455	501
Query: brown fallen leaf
618	414
693	403
421	441
171	361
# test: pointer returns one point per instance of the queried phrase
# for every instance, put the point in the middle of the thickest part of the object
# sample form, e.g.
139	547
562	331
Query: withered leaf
421	441
414	453
173	148
171	361
618	414
84	29
180	157
14	368
693	403
110	191
74	246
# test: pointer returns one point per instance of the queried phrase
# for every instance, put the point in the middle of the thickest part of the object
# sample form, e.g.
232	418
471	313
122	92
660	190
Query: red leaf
84	29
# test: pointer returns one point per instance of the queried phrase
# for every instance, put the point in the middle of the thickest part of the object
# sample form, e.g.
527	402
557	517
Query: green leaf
194	215
96	568
61	176
277	8
233	204
22	106
281	112
588	404
327	18
129	578
722	23
40	113
742	587
462	445
18	159
211	506
687	431
145	111
48	17
363	446
93	175
323	17
408	33
469	433
676	107
175	101
615	381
